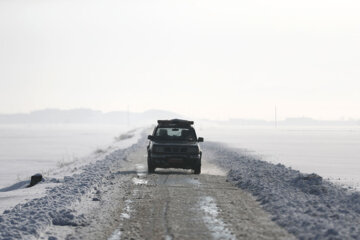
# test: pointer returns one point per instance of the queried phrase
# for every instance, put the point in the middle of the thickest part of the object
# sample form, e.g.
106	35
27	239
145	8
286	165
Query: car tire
151	168
197	169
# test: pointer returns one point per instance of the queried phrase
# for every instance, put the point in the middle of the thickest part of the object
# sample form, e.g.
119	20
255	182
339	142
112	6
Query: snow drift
304	204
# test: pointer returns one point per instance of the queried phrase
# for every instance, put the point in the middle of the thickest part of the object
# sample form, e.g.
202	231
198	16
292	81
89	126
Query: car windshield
181	134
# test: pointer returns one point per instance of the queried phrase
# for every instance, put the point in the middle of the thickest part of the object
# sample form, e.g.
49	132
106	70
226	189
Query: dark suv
174	144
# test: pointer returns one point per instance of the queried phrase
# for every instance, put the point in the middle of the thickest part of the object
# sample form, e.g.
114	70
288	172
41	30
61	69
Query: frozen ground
332	152
304	204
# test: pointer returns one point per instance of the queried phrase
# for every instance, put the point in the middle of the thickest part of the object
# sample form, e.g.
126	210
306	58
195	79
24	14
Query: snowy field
29	149
332	152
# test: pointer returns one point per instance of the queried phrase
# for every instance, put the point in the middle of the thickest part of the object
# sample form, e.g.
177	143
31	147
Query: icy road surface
170	204
175	204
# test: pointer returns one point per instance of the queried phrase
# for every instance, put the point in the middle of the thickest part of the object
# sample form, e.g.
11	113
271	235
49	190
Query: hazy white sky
202	58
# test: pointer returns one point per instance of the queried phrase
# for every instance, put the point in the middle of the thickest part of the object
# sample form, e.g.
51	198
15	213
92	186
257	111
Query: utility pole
128	116
275	117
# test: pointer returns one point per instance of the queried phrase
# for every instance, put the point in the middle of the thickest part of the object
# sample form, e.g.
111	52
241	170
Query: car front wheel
151	168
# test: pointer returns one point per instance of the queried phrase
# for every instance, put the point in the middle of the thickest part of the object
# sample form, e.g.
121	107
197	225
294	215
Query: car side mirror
150	137
200	139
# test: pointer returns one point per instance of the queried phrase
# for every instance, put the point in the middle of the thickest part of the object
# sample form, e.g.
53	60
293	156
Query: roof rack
175	122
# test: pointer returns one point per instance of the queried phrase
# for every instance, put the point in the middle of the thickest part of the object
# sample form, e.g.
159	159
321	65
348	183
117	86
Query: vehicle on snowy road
174	144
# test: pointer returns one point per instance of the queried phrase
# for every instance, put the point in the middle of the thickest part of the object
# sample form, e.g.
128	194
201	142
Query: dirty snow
306	205
49	203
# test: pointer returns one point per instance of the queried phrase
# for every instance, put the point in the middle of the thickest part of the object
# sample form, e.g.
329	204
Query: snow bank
330	151
27	220
304	204
12	195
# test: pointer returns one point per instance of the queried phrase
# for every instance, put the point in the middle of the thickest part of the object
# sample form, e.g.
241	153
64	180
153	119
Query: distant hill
88	116
303	121
80	116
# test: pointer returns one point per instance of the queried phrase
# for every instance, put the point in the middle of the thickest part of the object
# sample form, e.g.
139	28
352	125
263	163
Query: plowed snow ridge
305	205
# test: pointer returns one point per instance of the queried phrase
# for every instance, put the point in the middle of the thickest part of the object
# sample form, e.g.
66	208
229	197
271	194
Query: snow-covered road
176	204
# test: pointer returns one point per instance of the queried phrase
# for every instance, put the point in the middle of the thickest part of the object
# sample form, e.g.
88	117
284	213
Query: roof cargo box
175	122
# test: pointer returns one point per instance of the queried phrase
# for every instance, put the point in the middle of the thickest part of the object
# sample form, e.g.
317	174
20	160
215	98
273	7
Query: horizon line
342	119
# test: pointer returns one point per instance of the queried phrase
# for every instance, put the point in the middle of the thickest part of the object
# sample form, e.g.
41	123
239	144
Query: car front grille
175	149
